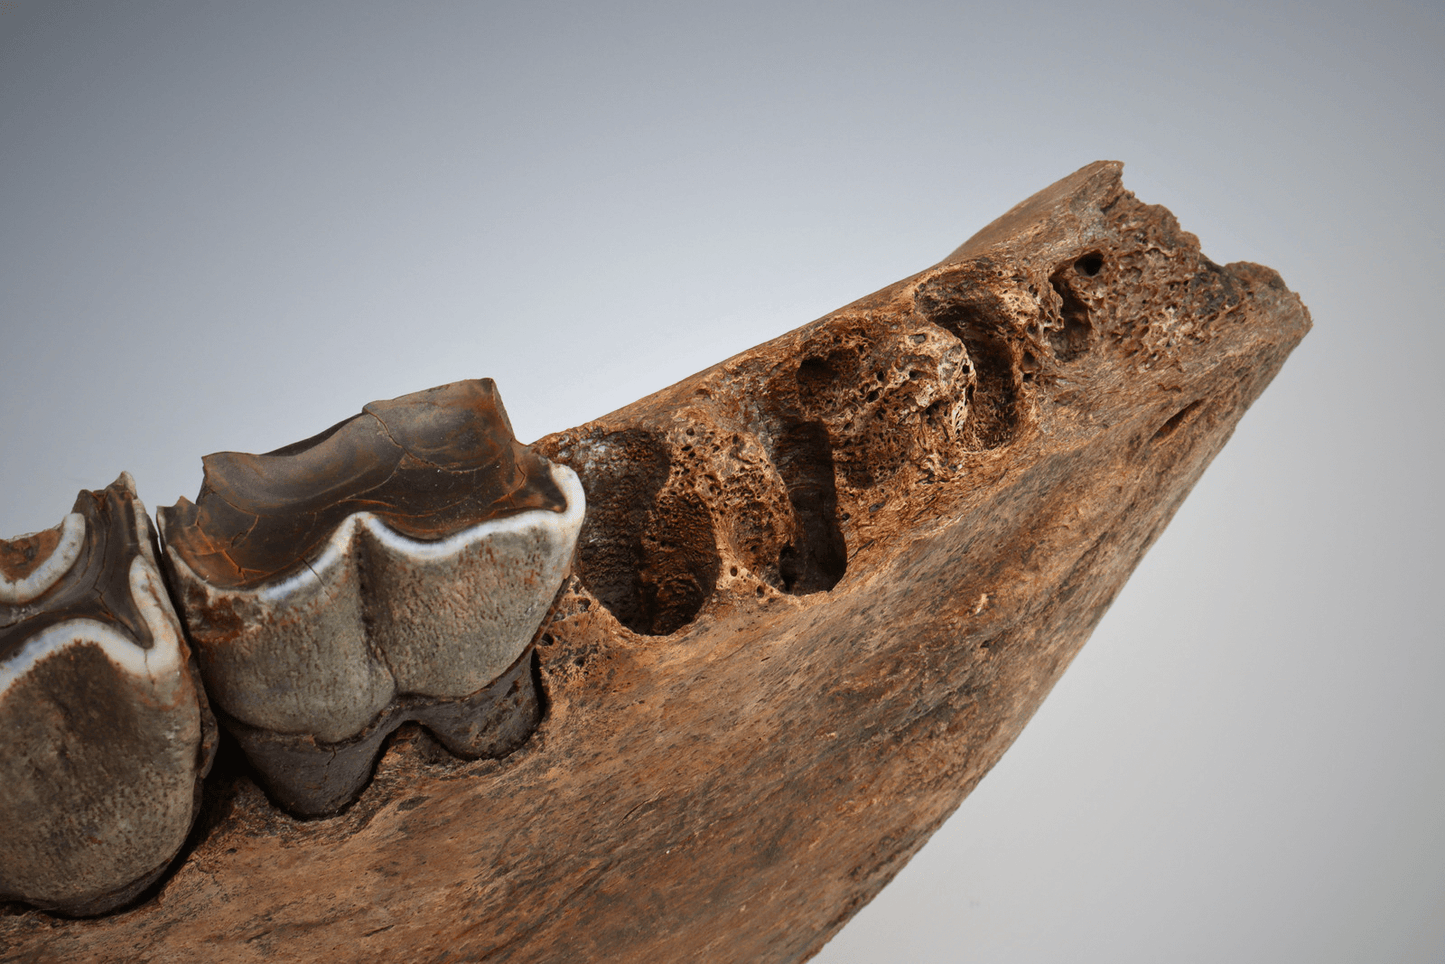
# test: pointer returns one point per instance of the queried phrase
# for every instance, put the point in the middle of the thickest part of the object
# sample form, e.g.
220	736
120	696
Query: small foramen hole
1177	419
1071	340
1090	264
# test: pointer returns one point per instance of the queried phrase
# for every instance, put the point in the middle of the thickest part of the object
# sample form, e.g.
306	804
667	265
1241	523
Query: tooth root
107	740
312	777
394	567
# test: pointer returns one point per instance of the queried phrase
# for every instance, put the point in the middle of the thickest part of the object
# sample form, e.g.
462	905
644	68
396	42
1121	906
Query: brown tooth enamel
107	734
394	567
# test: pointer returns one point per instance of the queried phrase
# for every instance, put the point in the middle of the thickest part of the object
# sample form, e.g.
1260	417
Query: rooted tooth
107	735
394	567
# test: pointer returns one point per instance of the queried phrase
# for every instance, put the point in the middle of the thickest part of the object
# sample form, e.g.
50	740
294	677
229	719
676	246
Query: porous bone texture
820	589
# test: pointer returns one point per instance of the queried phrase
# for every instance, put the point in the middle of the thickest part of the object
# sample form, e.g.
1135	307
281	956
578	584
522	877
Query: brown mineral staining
23	555
427	464
825	585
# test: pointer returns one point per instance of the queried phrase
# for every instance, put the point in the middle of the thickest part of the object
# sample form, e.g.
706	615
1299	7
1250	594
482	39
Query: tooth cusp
394	567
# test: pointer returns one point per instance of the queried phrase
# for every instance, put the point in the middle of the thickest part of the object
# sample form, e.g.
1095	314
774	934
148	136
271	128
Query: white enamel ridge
159	666
376	613
49	572
564	525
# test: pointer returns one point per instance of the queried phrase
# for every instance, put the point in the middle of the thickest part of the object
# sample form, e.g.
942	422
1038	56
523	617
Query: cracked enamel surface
427	464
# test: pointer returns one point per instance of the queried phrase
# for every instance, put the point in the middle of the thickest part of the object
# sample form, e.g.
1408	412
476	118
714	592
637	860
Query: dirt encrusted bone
106	731
395	567
821	588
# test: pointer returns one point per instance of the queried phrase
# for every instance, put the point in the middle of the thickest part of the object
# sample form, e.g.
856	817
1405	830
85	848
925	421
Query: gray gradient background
228	225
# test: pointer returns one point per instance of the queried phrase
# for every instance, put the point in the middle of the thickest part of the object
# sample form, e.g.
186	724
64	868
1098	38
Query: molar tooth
394	567
107	733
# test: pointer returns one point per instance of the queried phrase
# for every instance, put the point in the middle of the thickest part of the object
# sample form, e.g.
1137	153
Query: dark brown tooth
400	560
107	737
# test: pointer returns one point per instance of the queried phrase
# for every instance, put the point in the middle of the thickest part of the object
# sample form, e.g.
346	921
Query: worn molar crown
107	732
395	567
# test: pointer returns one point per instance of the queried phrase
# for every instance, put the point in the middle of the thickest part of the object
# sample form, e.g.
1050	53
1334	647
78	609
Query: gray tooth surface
396	567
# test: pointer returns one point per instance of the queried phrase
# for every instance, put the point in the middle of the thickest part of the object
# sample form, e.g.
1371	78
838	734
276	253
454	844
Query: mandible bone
394	567
821	588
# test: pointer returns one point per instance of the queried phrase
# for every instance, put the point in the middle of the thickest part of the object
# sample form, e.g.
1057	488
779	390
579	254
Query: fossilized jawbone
820	588
395	567
106	731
